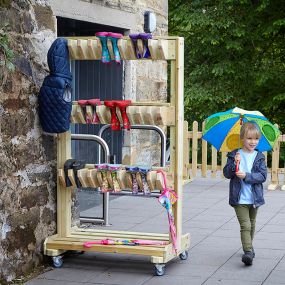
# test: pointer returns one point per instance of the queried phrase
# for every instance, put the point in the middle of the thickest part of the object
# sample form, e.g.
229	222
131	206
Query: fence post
194	148
223	162
274	167
204	166
185	150
214	163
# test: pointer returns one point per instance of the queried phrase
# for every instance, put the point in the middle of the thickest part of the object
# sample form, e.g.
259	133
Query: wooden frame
70	238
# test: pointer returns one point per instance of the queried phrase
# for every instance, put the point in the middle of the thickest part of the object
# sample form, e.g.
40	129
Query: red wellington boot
115	123
94	103
123	107
82	104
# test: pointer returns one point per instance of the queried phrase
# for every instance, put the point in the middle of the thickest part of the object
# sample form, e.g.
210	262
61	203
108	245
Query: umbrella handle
237	166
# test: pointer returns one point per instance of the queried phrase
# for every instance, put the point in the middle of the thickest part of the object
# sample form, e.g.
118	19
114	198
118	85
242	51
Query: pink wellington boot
115	123
94	103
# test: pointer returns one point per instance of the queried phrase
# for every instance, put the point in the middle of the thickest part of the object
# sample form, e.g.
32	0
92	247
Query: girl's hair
250	127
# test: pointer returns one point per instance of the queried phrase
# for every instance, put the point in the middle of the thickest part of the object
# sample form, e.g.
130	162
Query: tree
234	56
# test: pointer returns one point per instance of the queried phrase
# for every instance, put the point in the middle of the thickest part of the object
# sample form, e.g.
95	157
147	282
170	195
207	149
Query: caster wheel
57	261
183	255
159	269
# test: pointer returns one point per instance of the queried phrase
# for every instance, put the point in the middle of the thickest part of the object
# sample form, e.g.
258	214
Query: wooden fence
210	162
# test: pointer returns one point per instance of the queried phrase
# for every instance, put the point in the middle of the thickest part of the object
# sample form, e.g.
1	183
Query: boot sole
246	260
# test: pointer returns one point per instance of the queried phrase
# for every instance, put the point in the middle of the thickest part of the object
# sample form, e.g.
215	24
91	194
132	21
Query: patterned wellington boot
143	172
103	168
94	103
133	171
145	38
115	123
113	37
105	52
123	109
82	104
114	169
134	38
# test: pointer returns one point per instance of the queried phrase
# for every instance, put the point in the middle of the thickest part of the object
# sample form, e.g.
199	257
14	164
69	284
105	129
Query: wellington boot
247	258
115	123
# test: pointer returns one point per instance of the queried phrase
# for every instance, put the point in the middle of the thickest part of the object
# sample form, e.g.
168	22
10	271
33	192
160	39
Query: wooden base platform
56	245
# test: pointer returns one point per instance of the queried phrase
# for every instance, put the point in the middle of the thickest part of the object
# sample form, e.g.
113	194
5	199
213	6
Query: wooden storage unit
171	114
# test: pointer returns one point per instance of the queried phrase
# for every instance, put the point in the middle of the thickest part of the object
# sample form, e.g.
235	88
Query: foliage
5	3
6	53
234	56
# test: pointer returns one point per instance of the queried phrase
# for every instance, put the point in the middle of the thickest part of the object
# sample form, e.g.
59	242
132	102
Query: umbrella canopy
222	129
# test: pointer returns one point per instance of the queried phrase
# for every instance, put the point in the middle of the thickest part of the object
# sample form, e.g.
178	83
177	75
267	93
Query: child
246	189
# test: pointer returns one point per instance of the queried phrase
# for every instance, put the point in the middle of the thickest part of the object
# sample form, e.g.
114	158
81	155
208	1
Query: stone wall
27	164
27	157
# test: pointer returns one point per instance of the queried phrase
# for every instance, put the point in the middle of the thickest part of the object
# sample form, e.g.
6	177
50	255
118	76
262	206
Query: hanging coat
55	94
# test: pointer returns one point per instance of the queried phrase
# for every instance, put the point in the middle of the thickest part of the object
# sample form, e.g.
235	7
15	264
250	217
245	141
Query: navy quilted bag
55	94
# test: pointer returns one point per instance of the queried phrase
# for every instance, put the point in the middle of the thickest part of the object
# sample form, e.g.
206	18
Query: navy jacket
255	178
55	95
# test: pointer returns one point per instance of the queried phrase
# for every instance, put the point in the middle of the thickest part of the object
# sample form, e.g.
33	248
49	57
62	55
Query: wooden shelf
91	48
149	114
92	178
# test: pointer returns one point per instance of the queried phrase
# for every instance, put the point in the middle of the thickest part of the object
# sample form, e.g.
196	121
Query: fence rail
205	157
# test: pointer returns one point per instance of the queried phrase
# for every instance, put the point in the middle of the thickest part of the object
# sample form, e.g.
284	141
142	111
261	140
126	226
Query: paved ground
215	254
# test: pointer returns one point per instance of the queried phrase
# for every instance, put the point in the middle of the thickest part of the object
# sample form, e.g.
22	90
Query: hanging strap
172	194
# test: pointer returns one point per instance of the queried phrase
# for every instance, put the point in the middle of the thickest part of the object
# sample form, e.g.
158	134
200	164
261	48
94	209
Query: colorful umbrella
89	244
222	129
167	198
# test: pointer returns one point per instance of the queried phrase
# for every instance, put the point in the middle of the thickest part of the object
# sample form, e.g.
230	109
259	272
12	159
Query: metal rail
101	142
143	127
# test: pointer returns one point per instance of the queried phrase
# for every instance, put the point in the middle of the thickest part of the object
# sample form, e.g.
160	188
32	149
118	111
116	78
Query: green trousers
246	215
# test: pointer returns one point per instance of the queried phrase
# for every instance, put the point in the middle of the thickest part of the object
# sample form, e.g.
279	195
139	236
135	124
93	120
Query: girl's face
250	141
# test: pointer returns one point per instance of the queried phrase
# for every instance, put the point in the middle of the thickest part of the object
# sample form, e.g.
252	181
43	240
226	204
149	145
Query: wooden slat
61	176
186	150
99	234
214	163
82	176
94	49
71	177
275	163
153	103
104	114
204	155
91	176
178	131
224	161
123	249
63	195
72	49
78	114
194	148
82	49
